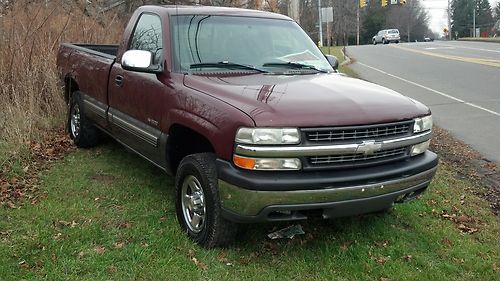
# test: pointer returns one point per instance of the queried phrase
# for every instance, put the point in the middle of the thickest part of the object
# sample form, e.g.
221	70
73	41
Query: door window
148	36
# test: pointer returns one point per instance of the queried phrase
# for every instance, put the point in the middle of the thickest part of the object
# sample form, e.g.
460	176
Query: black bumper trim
297	180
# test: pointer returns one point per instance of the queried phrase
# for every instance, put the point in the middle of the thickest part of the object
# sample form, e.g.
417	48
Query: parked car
251	118
428	39
386	36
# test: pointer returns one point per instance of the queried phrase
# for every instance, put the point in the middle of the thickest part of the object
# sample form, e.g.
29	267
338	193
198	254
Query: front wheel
197	202
384	41
374	42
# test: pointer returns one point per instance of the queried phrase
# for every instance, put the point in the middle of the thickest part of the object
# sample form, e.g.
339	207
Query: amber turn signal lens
243	162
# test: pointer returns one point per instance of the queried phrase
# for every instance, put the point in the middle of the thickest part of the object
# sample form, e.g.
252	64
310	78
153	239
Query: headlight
268	136
422	124
419	148
268	164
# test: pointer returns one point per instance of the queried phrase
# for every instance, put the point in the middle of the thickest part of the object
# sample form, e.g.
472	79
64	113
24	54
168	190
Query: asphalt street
459	81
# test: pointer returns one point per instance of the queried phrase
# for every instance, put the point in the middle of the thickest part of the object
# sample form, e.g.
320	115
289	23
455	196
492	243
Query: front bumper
249	196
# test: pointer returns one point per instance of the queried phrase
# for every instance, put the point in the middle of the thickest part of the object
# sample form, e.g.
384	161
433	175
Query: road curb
479	40
347	59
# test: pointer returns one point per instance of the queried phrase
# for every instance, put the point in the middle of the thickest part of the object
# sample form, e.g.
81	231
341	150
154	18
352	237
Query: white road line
478	49
432	90
439	48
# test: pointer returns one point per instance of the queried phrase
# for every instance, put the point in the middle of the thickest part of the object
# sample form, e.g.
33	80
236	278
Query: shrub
31	99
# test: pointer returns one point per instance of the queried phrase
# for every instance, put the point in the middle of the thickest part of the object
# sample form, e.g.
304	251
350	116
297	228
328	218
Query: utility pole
293	10
474	20
320	25
357	22
449	21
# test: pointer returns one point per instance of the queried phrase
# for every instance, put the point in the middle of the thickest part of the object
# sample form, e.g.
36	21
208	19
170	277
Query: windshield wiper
295	65
227	65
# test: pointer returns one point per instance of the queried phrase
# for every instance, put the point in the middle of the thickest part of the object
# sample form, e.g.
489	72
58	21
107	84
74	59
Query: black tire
397	41
210	229
374	42
384	41
80	128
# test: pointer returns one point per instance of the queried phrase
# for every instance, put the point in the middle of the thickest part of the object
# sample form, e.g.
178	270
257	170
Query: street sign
327	14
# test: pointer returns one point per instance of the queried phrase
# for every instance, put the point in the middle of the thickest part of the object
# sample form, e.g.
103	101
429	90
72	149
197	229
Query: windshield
259	42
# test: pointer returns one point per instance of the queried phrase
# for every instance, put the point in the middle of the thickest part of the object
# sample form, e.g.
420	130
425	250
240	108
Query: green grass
337	51
109	215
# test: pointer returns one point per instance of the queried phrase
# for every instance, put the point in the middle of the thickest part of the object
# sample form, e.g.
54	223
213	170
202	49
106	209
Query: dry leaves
192	255
25	186
470	164
382	243
464	223
125	225
447	242
345	246
407	258
119	244
99	249
382	259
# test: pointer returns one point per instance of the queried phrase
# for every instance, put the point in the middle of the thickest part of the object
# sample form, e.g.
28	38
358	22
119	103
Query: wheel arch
70	86
184	140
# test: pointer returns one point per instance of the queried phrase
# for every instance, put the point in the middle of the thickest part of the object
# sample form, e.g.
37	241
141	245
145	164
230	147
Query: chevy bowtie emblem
368	147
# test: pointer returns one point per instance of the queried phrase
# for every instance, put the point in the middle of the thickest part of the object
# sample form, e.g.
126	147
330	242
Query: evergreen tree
462	16
373	21
484	17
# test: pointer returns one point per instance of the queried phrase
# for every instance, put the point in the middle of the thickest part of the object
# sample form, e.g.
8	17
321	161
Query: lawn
109	215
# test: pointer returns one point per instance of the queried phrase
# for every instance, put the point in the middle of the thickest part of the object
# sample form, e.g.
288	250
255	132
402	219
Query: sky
438	13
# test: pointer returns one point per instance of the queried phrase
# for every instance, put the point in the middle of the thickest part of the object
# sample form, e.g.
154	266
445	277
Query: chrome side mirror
140	61
334	62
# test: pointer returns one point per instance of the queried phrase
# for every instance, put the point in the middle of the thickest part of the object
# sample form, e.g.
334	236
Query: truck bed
89	66
96	49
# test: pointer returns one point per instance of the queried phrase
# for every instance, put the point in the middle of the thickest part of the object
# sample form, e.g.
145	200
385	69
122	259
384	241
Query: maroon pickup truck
252	119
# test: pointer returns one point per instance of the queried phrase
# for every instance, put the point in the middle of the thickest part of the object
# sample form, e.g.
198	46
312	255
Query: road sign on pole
327	14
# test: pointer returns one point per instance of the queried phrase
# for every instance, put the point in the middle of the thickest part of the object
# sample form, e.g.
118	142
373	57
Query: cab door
137	99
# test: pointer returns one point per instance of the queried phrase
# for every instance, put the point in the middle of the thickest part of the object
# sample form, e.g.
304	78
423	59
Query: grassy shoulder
108	214
337	52
481	39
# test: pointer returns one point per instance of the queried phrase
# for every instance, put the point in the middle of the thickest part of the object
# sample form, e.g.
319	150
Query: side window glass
148	36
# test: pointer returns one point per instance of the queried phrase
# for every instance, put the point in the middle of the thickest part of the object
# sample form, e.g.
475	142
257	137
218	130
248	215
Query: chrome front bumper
240	204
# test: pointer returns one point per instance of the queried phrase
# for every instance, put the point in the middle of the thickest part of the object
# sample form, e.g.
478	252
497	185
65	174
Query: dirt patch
469	164
17	187
103	178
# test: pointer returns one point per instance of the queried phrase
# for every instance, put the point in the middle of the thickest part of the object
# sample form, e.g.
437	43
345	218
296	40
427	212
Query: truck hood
313	100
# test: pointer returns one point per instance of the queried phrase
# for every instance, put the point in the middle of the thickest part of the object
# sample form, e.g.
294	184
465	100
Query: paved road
459	81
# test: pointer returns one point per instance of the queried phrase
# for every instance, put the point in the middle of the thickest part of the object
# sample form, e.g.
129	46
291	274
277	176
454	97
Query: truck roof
218	11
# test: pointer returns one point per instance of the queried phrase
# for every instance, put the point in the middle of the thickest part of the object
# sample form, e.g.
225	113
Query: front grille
347	160
358	133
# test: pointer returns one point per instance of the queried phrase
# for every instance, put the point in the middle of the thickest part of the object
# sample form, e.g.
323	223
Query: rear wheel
80	129
384	41
197	202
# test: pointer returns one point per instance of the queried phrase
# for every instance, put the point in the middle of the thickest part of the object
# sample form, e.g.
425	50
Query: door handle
119	80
